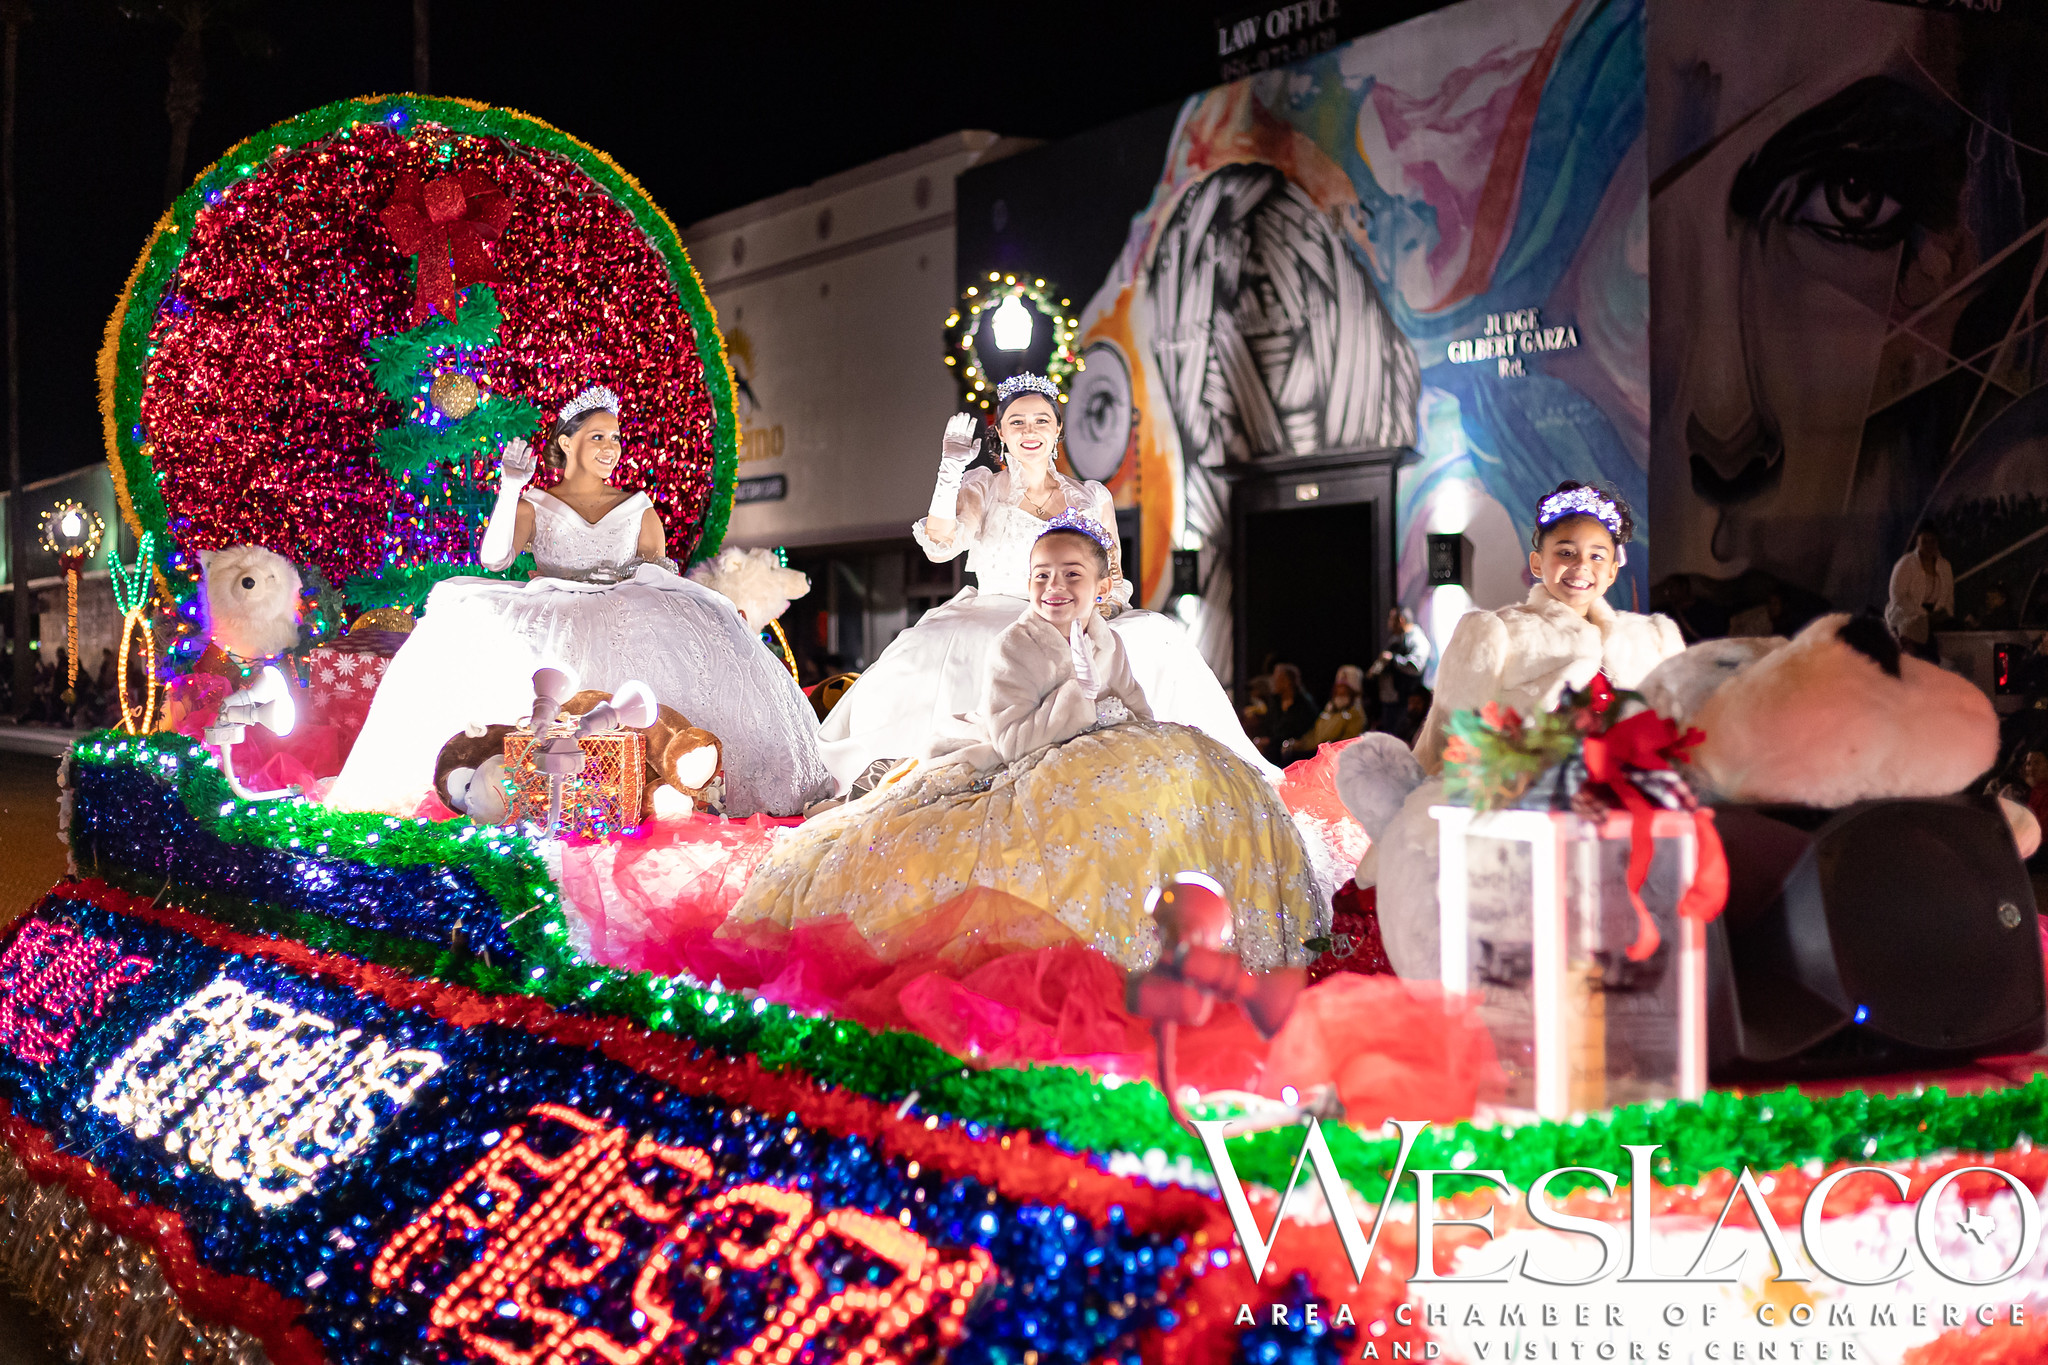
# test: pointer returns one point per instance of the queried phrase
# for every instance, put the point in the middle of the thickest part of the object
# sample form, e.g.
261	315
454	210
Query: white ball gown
937	669
607	617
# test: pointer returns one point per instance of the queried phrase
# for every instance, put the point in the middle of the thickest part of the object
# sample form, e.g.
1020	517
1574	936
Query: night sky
709	106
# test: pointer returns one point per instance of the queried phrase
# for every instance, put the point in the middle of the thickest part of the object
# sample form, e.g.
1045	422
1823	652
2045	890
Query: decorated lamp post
131	595
72	533
1000	314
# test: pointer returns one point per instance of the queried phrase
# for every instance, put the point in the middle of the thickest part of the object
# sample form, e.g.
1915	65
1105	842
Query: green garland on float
1721	1131
127	340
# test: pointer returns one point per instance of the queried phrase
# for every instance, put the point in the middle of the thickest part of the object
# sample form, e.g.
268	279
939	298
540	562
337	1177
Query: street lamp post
72	533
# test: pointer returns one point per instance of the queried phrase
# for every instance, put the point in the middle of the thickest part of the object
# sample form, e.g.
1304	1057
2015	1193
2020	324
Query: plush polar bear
252	601
1833	716
754	581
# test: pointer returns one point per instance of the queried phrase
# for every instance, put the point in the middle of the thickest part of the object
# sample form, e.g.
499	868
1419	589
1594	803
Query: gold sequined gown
1063	842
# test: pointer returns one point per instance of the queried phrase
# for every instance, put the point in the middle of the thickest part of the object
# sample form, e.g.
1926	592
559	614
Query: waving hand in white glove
516	464
955	452
515	470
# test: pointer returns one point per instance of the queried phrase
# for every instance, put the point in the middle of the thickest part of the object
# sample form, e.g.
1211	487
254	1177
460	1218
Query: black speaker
1887	936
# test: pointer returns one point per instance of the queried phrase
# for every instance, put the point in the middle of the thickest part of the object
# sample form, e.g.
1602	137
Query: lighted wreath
977	314
332	330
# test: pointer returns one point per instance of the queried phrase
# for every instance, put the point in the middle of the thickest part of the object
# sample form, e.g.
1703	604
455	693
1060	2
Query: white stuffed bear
1834	716
754	581
252	601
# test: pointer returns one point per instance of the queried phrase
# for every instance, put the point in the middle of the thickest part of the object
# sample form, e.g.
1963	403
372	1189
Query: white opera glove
515	471
1084	661
954	454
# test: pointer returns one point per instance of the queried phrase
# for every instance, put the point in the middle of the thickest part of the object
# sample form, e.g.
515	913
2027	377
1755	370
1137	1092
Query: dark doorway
1308	593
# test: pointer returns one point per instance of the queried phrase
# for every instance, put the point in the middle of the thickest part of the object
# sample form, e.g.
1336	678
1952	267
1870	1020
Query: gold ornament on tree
454	395
72	533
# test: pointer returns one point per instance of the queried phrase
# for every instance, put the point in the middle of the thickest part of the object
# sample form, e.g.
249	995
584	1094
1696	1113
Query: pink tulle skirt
654	900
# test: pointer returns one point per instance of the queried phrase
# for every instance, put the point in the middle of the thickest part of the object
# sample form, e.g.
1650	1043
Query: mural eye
1852	207
1099	430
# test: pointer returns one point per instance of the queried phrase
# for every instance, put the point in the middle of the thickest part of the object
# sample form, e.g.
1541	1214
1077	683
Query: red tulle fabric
315	750
1004	984
1309	788
1392	1048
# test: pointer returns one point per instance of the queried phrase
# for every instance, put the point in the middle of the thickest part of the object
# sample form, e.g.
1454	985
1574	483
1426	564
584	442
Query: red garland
248	1304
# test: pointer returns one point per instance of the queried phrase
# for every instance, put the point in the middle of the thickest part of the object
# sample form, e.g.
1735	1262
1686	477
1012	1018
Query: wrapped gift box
601	800
343	676
1536	923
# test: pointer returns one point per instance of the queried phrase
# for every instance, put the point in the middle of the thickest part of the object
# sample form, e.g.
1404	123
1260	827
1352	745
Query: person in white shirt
1923	588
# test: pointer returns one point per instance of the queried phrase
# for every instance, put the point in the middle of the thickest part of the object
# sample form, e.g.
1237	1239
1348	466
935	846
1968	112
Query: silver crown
1026	383
596	398
1580	502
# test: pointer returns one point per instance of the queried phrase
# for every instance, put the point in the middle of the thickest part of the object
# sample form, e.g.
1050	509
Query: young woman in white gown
937	669
608	606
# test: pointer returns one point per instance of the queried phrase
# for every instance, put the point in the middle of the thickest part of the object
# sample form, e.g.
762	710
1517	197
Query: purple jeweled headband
1070	520
1579	502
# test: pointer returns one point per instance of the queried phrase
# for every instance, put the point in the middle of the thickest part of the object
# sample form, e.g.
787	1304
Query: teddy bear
685	766
754	581
252	601
469	774
1833	716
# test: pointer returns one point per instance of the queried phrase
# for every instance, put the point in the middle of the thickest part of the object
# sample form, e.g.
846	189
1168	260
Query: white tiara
1026	383
596	398
1580	502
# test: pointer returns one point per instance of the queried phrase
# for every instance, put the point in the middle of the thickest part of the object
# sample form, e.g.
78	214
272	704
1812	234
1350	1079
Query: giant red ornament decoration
238	398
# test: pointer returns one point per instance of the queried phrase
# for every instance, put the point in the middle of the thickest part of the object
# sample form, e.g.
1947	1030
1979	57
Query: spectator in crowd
1998	612
1398	670
1258	699
1407	723
1343	718
1289	715
1697	619
105	680
1923	595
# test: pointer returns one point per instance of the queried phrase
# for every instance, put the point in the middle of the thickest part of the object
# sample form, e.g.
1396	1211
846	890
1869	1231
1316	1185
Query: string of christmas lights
980	312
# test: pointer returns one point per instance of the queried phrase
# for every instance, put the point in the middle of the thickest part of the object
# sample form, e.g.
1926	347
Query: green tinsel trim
123	360
408	587
1722	1131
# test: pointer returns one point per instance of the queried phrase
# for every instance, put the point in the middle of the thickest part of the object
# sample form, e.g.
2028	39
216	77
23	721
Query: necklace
1037	507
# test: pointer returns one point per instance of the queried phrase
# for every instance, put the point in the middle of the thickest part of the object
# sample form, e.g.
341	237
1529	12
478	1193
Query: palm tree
193	19
419	47
13	14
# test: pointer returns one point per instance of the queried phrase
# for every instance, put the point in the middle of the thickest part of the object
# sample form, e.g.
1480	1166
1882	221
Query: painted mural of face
1807	246
1268	339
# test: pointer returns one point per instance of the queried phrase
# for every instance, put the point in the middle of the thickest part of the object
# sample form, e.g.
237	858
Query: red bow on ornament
449	224
1647	741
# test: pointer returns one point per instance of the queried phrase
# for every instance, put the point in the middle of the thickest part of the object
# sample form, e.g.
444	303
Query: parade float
282	1082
